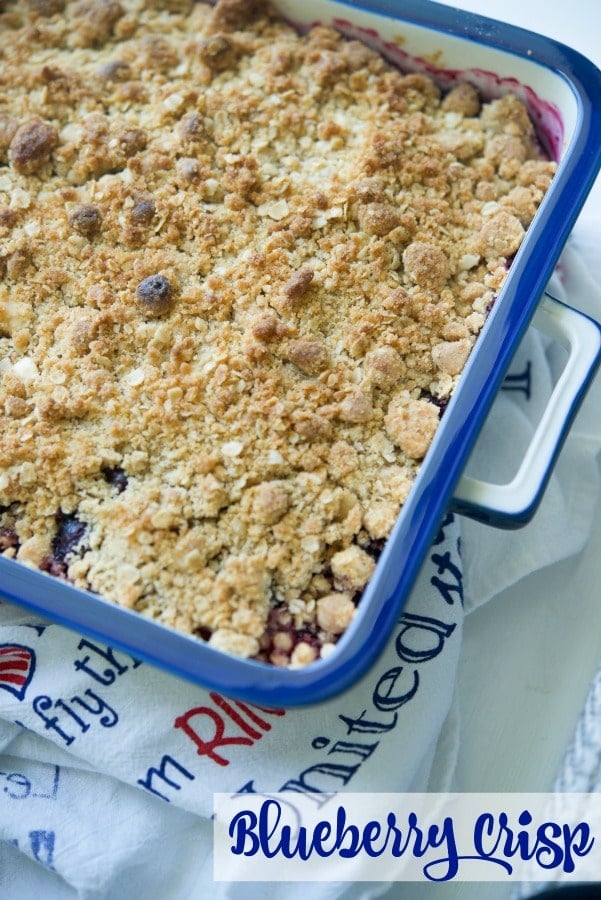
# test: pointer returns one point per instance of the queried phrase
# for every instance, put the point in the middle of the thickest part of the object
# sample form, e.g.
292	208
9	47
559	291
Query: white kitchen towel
108	766
164	746
580	770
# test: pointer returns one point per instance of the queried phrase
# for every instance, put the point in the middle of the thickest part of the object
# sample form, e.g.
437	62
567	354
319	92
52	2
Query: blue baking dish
563	92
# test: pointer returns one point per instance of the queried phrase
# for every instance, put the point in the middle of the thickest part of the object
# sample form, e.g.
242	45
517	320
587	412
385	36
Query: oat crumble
242	270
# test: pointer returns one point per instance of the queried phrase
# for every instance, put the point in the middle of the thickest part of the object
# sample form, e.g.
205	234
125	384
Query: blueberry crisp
241	271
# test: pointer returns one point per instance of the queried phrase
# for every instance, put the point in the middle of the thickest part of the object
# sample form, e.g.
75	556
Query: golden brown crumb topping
242	270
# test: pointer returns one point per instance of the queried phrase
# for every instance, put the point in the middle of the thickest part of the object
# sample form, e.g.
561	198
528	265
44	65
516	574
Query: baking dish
560	89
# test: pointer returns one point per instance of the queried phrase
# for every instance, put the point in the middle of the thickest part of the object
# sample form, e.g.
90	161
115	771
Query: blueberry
203	632
155	295
375	547
116	476
70	531
143	212
440	402
86	219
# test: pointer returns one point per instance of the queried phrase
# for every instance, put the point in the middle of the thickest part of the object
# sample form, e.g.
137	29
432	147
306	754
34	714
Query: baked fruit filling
242	271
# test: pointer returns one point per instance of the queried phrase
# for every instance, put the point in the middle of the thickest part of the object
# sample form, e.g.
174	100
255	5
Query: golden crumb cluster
241	272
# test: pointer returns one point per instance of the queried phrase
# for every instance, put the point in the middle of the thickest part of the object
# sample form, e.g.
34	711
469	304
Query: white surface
529	656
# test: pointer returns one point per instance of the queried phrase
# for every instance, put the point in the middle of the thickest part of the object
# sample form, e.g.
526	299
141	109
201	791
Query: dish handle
512	505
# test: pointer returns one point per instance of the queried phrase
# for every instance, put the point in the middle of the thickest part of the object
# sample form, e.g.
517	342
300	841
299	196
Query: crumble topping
242	270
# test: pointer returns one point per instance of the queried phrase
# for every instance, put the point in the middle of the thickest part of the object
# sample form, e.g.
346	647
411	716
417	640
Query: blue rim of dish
431	493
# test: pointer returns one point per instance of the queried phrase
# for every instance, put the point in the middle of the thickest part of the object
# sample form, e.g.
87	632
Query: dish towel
580	770
108	766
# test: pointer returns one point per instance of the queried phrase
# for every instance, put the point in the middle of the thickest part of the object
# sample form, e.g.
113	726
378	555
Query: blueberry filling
440	402
8	539
375	548
203	632
490	305
70	531
54	567
281	637
116	476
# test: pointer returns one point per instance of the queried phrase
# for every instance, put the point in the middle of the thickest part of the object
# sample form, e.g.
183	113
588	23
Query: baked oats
242	270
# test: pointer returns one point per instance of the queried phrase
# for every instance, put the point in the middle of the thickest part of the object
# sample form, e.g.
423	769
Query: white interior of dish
551	100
